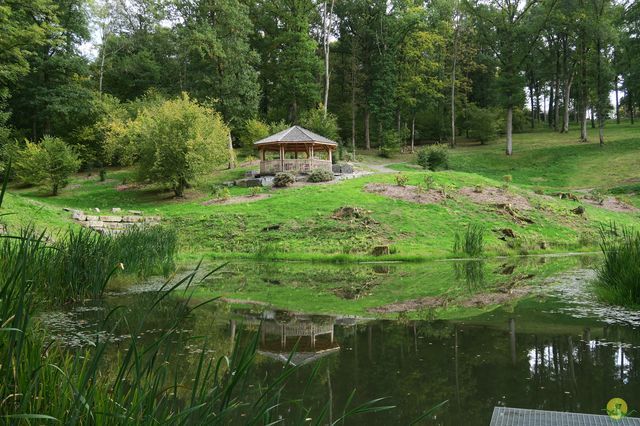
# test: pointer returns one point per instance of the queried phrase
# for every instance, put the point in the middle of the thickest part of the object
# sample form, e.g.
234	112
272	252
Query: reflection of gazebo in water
311	339
289	144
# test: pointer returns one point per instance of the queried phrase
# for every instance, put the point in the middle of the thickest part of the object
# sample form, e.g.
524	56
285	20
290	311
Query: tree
324	125
175	142
511	33
50	162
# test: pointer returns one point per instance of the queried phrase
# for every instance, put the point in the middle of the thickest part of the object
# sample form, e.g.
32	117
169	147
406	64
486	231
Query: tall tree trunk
631	110
326	28
600	102
584	93
232	154
533	108
509	150
413	131
615	87
353	101
367	133
101	72
567	98
556	91
453	85
593	117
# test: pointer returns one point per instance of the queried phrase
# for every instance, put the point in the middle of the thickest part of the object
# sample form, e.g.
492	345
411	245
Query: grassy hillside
297	223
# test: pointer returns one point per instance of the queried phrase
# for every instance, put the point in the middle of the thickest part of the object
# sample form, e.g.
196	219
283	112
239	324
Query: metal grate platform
504	416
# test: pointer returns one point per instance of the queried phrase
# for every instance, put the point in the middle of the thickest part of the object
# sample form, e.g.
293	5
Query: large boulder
249	182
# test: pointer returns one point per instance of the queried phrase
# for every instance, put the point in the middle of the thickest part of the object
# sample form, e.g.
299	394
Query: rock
578	210
79	217
116	210
3	229
152	219
248	182
91	218
543	245
97	210
111	218
97	224
135	212
68	209
380	250
250	173
275	227
133	219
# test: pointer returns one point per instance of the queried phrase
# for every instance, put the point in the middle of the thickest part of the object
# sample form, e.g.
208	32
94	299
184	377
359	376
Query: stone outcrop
112	224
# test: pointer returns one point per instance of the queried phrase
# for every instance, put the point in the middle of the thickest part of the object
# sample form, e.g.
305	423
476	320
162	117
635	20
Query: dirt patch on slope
612	204
406	193
236	200
411	305
496	196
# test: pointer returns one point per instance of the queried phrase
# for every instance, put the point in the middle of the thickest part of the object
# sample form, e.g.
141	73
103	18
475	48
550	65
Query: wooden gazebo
289	144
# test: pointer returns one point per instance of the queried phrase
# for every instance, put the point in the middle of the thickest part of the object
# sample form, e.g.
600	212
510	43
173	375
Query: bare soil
493	195
612	204
236	200
407	193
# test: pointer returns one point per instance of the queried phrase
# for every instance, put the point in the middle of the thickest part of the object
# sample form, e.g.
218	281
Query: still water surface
559	351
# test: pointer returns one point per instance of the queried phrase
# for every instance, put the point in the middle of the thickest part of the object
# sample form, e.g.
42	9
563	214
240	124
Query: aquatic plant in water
618	277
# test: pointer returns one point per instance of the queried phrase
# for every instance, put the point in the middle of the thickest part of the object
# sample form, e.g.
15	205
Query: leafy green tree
175	142
50	162
216	59
325	125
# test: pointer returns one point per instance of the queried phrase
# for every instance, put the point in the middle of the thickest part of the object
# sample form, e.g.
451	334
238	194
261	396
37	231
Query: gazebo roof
295	135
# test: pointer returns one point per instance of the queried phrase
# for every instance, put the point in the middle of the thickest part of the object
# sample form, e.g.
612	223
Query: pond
558	350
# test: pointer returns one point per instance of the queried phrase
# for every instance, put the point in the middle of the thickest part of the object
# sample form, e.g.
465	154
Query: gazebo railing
305	165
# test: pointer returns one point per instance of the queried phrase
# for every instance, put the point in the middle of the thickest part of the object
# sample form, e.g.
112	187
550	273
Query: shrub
429	181
221	193
401	179
254	191
434	157
618	280
320	175
507	179
282	180
51	162
471	242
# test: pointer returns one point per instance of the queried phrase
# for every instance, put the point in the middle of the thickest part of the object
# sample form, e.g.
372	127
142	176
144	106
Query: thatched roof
295	135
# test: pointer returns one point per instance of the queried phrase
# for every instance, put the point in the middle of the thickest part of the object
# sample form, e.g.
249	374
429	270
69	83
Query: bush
51	162
434	157
618	279
401	179
320	175
282	180
471	243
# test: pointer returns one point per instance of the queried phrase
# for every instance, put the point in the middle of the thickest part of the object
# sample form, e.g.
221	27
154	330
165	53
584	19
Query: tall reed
471	242
618	279
81	262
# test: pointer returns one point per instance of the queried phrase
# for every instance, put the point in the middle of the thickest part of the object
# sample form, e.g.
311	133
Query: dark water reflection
533	356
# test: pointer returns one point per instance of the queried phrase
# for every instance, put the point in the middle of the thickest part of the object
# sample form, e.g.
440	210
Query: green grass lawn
297	223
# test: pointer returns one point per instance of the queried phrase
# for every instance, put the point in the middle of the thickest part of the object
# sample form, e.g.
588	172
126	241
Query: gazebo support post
282	158
330	151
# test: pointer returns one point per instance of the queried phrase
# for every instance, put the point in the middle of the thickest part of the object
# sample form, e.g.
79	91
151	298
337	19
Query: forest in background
388	73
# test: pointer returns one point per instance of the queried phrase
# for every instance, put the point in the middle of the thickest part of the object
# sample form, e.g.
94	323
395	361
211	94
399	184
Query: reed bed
80	264
618	279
